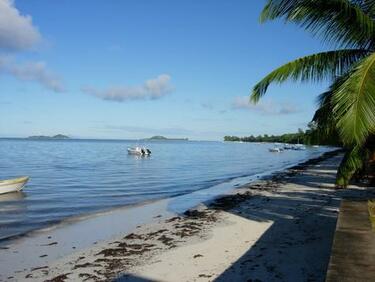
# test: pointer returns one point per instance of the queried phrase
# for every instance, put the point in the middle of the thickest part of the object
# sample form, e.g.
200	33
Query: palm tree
347	109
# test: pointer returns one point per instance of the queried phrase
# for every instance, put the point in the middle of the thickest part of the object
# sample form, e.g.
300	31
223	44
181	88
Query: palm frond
335	21
368	6
326	131
314	67
323	116
352	162
354	103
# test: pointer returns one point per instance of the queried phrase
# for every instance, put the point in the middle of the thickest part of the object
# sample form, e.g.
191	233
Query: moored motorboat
139	151
275	150
288	147
299	147
13	185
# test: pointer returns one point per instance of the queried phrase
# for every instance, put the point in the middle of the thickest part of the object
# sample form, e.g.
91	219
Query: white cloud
16	31
149	90
31	71
264	106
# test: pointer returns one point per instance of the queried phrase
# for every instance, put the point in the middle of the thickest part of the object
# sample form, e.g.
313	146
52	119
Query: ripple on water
74	177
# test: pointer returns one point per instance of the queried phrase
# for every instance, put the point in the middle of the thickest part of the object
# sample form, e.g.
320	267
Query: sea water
76	177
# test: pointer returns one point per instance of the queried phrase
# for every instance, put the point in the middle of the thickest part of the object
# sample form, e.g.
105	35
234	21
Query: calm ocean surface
74	177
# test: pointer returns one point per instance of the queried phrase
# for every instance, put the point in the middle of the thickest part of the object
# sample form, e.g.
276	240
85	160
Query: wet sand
277	229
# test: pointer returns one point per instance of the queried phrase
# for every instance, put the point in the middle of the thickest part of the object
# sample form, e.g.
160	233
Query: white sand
206	259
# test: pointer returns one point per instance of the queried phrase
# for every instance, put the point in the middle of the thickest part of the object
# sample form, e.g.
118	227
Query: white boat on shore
142	151
13	185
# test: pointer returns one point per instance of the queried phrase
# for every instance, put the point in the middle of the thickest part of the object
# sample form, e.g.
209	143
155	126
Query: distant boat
139	151
275	150
299	147
13	185
288	147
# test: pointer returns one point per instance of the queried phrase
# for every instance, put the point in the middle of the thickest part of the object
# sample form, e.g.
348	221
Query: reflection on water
139	157
73	177
15	196
14	207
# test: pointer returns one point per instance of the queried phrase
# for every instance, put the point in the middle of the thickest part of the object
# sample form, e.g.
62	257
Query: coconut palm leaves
342	22
315	67
348	107
352	162
325	131
354	103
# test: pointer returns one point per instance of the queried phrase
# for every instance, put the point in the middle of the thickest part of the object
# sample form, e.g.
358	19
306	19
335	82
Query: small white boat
275	150
13	185
299	147
139	151
288	147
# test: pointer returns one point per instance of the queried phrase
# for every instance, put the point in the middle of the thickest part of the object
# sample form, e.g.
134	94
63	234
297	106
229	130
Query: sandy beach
275	229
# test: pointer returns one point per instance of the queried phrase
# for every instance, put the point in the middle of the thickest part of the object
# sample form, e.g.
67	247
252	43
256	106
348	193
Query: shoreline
76	219
81	217
87	216
197	217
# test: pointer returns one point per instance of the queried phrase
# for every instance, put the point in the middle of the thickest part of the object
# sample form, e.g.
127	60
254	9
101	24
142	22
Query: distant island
58	136
162	138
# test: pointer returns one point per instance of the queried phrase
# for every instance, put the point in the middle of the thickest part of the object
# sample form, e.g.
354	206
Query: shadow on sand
297	245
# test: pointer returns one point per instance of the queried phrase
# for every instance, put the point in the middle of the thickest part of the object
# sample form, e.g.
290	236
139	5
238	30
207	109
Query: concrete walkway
353	252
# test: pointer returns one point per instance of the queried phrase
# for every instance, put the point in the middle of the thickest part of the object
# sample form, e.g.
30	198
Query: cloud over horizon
31	71
151	89
17	31
265	106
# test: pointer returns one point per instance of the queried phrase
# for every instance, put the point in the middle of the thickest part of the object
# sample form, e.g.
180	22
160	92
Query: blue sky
133	69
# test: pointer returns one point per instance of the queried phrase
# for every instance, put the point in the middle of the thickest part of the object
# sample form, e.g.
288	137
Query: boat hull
275	150
139	151
12	185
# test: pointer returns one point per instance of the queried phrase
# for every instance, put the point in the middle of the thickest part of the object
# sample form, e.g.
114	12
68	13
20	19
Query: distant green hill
162	138
58	136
